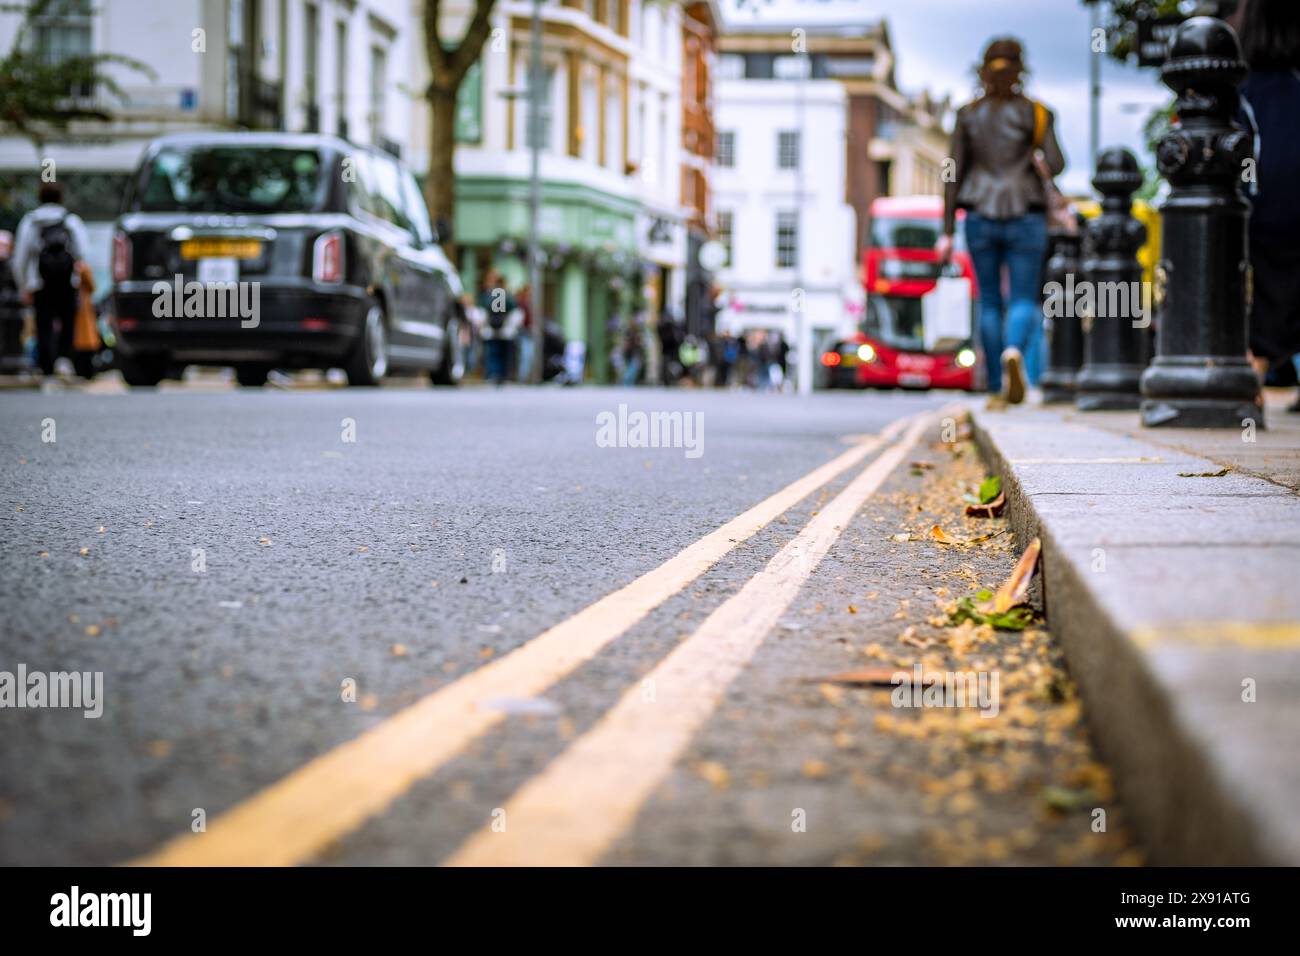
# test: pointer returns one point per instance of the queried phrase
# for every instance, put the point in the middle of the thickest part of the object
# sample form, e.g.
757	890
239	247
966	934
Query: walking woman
999	181
1270	38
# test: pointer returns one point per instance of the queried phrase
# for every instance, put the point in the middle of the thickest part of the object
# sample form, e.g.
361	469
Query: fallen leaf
264	541
990	488
865	677
715	773
833	693
852	609
910	638
1204	474
398	650
83	552
939	535
989	509
816	769
1015	589
1063	799
363	548
92	630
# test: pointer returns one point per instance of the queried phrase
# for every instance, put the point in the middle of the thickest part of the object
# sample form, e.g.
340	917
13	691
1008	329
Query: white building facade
333	66
613	222
780	209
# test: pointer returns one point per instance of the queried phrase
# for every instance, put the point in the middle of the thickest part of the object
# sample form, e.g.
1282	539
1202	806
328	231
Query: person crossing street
48	248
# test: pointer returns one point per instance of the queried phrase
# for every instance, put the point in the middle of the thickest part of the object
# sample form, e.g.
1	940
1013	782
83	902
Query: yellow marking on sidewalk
327	798
1086	461
1262	635
572	812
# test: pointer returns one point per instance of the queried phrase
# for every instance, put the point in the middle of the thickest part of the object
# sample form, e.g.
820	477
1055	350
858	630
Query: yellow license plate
218	248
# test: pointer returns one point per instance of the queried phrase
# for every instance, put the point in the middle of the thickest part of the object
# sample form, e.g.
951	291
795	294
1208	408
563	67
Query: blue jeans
1021	246
498	359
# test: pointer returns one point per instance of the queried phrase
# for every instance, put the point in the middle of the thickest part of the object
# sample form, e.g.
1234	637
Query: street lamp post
536	299
803	328
1094	84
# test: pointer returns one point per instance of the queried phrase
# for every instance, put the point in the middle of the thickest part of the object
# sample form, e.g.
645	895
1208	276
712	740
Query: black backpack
56	262
496	318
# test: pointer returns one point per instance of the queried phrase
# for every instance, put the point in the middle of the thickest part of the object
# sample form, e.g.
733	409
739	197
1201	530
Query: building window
378	88
787	149
615	8
312	54
731	66
341	76
614	126
787	239
62	33
726	223
524	107
788	66
726	157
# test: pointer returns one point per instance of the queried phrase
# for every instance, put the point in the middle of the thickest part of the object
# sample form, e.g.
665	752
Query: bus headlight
866	353
966	358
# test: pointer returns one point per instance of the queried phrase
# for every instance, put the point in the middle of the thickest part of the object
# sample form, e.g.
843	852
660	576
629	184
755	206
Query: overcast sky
938	42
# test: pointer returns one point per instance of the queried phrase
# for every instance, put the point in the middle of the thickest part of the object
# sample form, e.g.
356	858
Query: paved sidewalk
1171	575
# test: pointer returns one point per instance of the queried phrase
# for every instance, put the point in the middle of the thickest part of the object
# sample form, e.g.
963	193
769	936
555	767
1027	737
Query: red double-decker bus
899	266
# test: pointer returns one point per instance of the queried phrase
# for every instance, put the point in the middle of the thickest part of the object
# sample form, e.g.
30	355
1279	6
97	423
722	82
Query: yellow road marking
572	812
330	796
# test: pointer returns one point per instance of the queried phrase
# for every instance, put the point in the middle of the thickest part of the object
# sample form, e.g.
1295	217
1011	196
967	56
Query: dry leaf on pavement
1015	589
864	677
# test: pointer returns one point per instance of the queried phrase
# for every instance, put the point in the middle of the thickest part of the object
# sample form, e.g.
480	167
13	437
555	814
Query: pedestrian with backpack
1005	151
49	245
501	321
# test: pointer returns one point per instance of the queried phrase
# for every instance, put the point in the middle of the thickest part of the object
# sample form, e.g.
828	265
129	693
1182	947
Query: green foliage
37	95
1013	619
1120	18
1156	126
988	492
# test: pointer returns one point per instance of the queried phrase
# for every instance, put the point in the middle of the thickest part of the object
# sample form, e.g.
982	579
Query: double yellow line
573	810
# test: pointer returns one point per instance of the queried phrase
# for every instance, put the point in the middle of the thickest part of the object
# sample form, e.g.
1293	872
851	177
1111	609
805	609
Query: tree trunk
439	188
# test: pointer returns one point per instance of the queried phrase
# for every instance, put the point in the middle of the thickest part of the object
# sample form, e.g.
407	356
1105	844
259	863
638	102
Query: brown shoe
1013	376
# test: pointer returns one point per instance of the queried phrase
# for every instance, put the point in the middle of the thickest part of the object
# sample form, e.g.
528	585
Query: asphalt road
229	560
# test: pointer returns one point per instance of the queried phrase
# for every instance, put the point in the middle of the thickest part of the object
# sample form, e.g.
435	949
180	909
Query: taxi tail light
327	257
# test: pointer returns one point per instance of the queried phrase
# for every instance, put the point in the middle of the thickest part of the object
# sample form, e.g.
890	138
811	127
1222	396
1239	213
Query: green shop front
592	272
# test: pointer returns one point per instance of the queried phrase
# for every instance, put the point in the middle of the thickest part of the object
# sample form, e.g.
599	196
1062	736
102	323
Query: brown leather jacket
993	146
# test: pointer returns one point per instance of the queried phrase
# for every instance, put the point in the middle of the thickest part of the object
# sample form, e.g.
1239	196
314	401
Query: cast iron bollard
1064	333
1116	345
1201	378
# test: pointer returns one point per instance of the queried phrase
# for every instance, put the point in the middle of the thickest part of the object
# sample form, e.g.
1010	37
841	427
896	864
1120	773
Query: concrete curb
1210	780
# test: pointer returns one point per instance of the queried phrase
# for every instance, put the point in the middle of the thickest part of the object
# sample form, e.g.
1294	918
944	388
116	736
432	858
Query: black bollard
1060	320
1201	377
1114	303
